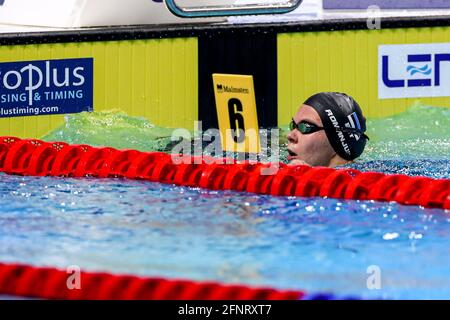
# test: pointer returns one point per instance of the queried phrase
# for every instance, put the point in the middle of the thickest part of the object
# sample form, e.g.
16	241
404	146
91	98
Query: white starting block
95	13
98	13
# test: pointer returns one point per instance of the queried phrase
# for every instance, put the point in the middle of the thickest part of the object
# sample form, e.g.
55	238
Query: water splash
415	142
113	129
421	132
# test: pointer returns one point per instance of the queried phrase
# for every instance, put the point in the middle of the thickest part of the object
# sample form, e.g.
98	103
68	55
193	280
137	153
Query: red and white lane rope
39	158
51	283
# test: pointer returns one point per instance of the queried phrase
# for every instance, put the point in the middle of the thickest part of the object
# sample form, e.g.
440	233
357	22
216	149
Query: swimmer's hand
297	162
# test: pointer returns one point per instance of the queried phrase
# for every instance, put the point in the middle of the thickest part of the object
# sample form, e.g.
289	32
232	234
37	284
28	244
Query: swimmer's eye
292	125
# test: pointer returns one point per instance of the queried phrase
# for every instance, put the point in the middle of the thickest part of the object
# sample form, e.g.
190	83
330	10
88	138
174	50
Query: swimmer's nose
292	137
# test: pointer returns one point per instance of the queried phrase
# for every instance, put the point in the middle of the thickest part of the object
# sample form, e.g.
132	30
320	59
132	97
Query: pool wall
164	73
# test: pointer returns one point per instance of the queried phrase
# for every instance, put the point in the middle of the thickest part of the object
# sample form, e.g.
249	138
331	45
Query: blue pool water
318	245
312	244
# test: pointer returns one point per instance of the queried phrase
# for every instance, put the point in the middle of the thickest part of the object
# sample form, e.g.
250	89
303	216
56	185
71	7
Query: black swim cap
343	121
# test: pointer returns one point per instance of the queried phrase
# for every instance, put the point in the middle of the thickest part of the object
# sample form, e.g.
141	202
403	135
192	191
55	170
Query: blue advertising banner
31	88
386	4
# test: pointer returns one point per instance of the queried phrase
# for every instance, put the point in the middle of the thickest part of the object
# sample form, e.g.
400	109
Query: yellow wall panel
156	79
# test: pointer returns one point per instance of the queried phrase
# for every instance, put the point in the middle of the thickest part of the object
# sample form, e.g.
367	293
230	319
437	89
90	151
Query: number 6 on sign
236	112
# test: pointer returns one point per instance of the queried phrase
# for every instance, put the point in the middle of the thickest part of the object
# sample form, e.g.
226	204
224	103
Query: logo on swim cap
353	122
339	131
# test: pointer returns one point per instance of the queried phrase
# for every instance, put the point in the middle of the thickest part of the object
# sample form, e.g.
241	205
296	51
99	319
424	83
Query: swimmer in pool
327	130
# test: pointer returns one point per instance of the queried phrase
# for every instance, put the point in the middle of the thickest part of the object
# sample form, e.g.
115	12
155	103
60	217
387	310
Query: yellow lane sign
236	112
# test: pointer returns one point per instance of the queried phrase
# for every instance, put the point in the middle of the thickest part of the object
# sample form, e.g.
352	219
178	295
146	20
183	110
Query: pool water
312	244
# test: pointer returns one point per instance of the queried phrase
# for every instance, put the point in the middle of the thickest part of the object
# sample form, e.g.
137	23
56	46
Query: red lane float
50	283
39	158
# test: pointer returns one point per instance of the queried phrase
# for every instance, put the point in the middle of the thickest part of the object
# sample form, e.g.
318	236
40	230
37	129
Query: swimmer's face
313	149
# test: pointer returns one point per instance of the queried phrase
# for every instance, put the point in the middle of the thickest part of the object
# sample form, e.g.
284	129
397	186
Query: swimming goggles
306	127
